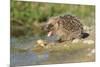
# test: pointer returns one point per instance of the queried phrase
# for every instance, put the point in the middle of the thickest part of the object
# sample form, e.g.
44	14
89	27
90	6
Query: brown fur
66	27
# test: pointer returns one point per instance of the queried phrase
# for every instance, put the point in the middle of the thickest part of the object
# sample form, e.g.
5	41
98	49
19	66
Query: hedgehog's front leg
60	39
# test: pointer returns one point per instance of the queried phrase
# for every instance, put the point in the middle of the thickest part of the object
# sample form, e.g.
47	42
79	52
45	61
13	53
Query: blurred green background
26	16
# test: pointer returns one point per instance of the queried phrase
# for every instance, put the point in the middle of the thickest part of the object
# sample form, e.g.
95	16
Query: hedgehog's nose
45	27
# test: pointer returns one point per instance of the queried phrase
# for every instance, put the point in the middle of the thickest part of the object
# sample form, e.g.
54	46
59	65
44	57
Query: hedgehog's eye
50	25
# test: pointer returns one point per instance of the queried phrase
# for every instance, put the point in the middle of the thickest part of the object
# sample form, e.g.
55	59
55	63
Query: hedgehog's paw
60	40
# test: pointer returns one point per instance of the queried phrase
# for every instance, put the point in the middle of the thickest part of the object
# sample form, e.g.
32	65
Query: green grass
24	14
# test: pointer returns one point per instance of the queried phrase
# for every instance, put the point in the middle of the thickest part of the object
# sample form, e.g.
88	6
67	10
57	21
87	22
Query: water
22	54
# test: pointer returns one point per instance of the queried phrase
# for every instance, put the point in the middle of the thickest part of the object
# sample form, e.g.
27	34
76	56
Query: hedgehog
66	27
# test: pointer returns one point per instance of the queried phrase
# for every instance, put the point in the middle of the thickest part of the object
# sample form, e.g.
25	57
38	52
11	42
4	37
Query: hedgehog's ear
59	22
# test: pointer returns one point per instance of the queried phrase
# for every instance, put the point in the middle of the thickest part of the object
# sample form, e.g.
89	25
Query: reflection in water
28	58
22	54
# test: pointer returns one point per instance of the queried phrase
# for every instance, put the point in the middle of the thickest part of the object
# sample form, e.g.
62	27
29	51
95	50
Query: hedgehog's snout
45	28
49	29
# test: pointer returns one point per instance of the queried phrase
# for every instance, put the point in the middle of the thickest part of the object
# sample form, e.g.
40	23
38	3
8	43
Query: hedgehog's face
51	27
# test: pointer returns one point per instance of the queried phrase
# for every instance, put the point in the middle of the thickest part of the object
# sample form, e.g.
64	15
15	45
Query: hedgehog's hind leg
74	35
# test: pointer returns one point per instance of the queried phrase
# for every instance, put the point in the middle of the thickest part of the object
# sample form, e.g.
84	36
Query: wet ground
24	51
